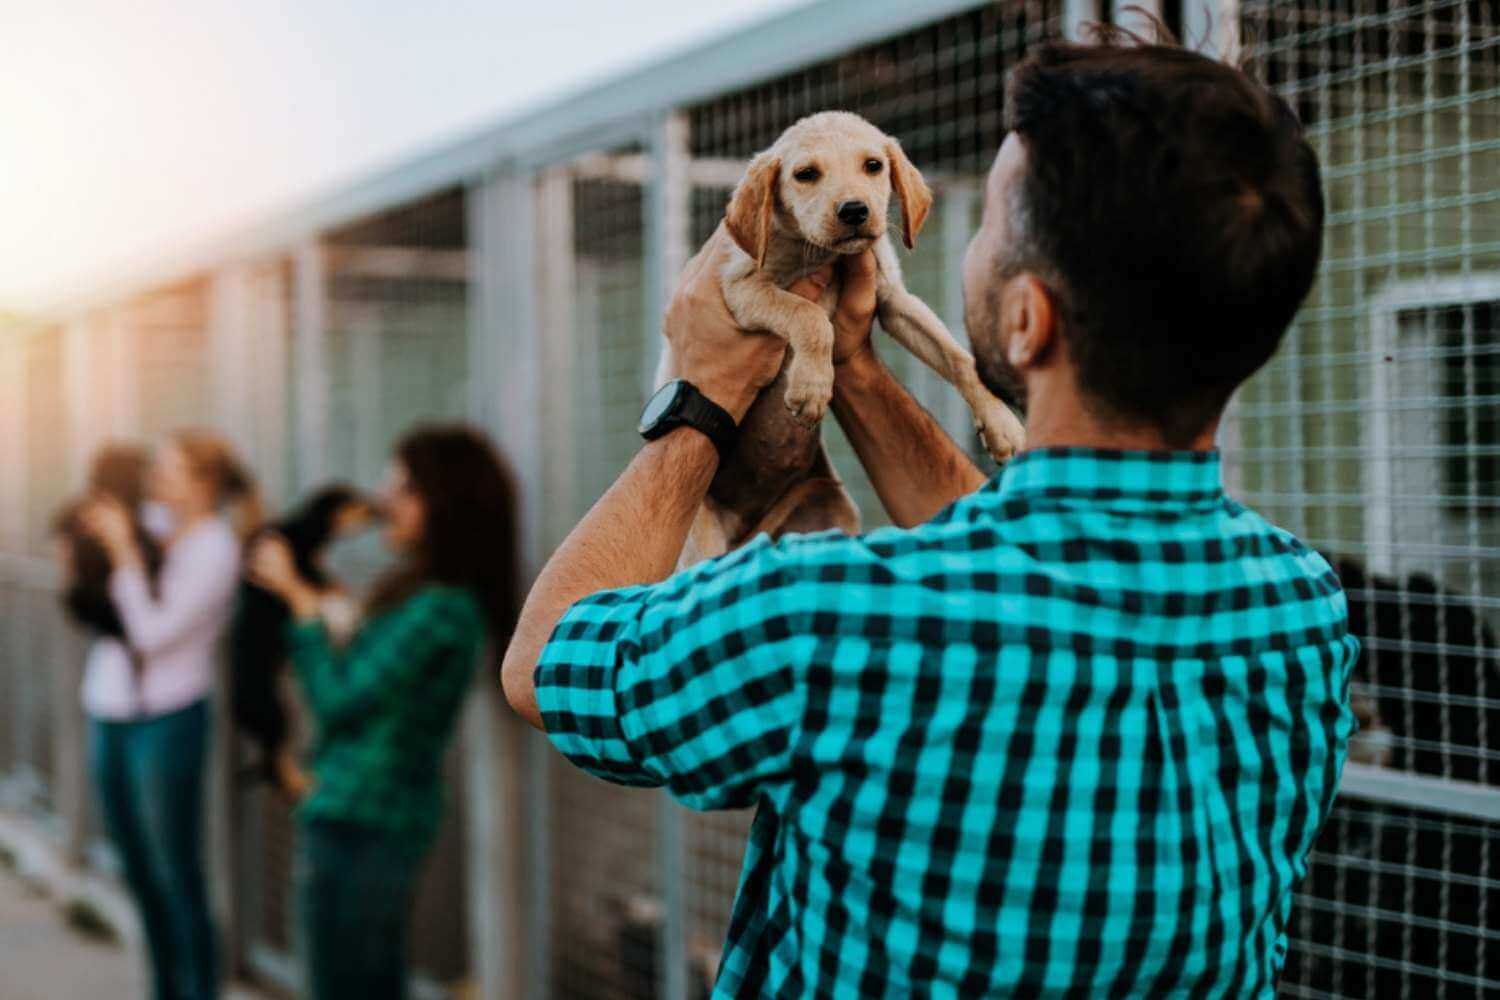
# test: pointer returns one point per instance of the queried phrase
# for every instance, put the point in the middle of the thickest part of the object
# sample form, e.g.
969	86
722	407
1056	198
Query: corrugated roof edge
603	113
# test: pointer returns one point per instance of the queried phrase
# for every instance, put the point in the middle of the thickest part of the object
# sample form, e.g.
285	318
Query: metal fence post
13	477
666	250
230	347
505	399
1077	13
1212	28
311	355
86	429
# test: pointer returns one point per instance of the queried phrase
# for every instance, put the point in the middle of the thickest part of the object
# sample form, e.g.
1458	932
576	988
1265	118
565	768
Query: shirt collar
1101	475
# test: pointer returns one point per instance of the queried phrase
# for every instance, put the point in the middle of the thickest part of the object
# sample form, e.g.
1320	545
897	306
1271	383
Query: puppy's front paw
1001	430
809	387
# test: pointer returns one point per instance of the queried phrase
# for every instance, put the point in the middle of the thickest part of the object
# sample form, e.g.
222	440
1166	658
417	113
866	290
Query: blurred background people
386	705
146	687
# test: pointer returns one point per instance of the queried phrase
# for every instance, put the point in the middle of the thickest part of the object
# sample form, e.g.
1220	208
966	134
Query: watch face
659	405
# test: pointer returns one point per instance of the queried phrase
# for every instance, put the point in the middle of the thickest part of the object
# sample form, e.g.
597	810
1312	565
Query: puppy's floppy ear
911	190
752	206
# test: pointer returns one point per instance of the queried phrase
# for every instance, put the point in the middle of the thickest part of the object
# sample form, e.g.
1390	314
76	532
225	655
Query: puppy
257	647
820	191
118	471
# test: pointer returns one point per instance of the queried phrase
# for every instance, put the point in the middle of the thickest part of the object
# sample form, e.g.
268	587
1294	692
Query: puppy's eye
807	174
873	166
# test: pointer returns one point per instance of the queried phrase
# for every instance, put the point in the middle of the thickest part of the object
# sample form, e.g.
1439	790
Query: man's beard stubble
995	373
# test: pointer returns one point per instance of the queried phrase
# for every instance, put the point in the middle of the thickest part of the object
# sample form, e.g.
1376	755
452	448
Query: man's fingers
812	287
857	293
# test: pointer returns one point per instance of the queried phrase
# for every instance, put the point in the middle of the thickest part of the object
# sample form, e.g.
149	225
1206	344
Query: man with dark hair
1069	730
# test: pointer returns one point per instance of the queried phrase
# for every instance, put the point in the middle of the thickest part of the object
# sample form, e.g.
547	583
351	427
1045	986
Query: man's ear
1028	322
753	205
911	190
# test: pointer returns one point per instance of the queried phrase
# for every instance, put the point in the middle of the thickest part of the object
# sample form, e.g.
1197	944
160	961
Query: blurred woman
146	694
120	471
386	704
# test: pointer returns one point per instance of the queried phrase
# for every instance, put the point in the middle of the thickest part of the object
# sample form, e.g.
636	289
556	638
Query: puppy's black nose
854	213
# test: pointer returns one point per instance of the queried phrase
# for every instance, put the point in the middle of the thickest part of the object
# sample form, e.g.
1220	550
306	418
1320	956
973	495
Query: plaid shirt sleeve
691	683
346	685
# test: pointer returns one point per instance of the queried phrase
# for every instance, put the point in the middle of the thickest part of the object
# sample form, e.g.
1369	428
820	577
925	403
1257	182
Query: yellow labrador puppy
820	191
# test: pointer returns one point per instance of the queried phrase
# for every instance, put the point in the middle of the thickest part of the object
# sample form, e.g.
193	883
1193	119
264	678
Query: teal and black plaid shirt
1076	734
385	708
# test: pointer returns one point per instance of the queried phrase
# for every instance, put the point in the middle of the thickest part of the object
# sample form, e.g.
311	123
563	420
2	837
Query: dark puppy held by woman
119	472
257	640
385	705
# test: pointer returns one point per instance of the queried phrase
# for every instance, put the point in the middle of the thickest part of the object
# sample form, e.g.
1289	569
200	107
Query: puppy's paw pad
808	394
1001	431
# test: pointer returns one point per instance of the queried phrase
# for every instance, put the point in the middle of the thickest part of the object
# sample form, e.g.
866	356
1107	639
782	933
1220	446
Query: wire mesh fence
1374	435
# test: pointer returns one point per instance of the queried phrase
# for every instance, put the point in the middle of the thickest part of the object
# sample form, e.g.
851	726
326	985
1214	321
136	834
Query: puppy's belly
774	451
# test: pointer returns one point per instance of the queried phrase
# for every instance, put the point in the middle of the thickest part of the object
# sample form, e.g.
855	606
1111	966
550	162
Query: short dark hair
1174	210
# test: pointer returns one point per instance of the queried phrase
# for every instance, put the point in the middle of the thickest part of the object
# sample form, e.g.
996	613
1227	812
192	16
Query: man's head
1151	224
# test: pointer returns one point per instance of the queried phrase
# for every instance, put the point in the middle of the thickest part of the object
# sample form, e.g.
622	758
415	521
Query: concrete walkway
43	958
42	955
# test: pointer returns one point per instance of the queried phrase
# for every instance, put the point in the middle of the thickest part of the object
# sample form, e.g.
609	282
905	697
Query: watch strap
698	411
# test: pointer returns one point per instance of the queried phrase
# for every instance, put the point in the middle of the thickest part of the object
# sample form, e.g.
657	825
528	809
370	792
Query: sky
126	128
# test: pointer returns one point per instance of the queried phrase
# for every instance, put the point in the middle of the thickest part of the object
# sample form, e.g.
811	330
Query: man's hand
855	316
913	464
728	365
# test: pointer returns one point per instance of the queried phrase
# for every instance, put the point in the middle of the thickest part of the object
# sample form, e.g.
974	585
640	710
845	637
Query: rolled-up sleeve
693	683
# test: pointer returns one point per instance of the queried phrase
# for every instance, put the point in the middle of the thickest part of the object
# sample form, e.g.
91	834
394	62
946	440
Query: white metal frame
1383	313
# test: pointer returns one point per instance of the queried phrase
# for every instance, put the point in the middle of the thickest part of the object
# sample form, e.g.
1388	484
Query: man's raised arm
915	467
634	534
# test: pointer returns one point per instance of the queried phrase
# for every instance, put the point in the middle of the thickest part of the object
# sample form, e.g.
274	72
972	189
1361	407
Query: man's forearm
915	467
634	534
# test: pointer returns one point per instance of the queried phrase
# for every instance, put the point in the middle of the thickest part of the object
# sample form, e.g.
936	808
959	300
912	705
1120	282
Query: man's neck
1073	424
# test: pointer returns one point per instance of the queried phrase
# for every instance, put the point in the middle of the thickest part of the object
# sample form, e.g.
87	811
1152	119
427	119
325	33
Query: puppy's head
828	180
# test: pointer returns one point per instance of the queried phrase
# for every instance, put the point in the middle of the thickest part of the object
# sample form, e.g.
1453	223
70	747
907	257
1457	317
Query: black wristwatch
680	404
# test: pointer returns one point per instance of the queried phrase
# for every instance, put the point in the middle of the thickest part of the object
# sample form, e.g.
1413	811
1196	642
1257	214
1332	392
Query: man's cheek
999	377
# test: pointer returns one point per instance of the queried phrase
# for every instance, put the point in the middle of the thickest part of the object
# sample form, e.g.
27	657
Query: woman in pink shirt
147	695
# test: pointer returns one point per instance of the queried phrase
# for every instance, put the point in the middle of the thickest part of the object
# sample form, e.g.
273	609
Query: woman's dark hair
469	538
1173	208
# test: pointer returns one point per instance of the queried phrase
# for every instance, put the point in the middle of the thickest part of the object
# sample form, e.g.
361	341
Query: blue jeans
354	897
150	779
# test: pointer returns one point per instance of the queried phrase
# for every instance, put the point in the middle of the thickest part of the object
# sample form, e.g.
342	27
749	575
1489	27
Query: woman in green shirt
386	704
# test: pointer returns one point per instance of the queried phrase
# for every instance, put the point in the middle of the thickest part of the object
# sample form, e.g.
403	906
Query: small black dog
257	644
118	471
